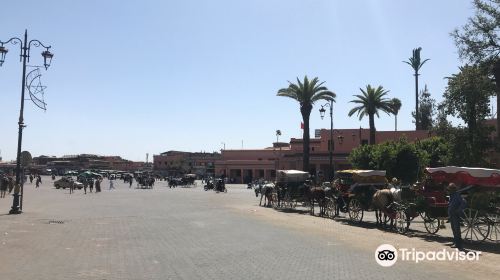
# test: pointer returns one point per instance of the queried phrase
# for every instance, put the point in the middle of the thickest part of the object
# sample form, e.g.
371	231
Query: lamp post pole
24	56
332	143
278	134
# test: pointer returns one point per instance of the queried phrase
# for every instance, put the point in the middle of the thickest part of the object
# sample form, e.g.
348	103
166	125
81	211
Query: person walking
130	179
91	184
4	185
39	179
31	178
85	185
456	207
71	187
111	184
37	183
98	185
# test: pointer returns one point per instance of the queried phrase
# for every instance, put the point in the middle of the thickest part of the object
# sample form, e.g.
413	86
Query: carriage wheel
431	224
476	228
355	210
330	207
402	222
494	220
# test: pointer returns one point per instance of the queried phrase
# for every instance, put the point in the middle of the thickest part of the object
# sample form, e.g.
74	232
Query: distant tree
306	93
369	104
427	110
467	96
478	41
442	125
395	107
416	63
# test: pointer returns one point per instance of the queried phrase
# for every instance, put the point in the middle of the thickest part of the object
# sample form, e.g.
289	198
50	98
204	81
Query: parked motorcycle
209	186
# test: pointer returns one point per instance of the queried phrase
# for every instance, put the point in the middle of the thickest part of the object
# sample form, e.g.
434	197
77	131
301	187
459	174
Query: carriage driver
455	209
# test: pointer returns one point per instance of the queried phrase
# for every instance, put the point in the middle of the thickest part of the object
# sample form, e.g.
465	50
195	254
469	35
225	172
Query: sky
136	77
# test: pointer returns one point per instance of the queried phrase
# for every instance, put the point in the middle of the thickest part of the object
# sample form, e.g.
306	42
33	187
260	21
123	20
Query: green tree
427	110
395	107
437	149
461	152
369	104
467	96
361	157
306	93
409	162
416	63
399	158
478	41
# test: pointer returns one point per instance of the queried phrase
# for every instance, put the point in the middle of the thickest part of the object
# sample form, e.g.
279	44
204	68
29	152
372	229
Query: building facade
176	163
243	166
60	165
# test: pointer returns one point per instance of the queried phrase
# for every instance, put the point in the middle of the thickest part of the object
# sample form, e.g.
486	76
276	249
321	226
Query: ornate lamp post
332	144
25	47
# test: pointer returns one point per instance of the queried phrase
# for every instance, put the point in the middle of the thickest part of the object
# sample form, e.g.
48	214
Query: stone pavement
185	233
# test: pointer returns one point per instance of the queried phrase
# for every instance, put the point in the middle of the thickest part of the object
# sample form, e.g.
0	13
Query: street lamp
25	47
278	134
332	144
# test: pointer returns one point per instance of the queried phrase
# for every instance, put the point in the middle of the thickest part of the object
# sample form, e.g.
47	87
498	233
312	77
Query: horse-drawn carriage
353	192
185	181
289	189
479	186
481	189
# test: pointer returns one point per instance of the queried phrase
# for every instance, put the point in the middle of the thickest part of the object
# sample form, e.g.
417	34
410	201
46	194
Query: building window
364	142
312	149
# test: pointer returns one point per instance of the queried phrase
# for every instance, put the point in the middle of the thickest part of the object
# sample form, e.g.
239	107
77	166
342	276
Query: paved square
187	233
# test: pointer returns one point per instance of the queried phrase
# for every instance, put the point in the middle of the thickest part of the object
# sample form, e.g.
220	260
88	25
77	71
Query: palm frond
324	95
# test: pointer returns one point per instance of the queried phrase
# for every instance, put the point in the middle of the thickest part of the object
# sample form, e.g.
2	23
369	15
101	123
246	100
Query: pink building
245	165
175	163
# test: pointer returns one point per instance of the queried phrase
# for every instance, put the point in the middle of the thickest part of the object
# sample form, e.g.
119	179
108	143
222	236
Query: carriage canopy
465	176
291	176
363	176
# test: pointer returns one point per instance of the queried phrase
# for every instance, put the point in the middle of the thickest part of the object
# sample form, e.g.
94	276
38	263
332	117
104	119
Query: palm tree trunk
417	123
372	129
395	122
306	113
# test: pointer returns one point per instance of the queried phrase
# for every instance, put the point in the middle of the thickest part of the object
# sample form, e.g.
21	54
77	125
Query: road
187	233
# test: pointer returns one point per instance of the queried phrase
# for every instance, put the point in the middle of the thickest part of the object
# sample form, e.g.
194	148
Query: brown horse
316	194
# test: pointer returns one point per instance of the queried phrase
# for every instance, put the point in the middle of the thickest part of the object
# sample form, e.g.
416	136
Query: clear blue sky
136	77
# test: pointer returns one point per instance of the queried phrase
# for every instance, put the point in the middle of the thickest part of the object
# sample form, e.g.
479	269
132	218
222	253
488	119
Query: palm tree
416	64
306	93
369	104
395	107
